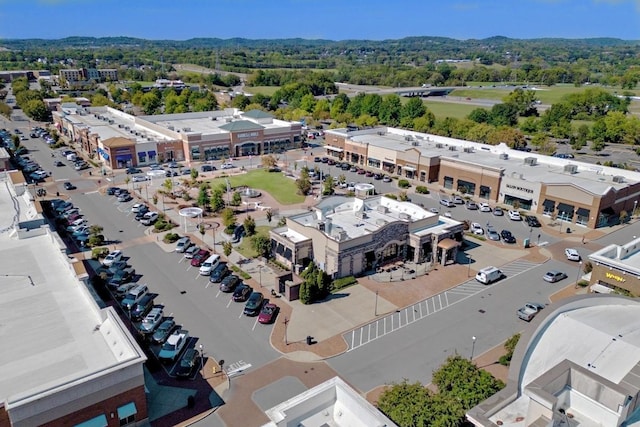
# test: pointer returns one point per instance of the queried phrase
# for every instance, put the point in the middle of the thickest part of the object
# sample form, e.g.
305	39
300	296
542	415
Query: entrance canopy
447	244
566	209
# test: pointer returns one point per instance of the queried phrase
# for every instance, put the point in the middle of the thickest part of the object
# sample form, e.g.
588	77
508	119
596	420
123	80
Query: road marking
218	293
196	278
241	313
255	323
433	304
229	303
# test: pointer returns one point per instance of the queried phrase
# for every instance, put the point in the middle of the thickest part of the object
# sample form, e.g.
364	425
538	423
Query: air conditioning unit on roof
452	148
571	168
619	179
531	161
503	156
468	149
439	145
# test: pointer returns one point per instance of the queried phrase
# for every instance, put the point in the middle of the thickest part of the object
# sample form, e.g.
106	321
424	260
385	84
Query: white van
209	264
72	157
134	295
489	275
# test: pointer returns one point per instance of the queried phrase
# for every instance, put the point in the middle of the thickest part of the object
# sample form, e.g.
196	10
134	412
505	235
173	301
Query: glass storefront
216	153
517	202
485	192
466	187
448	182
195	153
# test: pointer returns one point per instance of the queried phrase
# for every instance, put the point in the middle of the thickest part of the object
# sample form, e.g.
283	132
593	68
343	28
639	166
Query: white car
476	228
114	256
149	218
446	202
484	207
458	200
227	166
572	254
171	349
140	178
137	207
514	216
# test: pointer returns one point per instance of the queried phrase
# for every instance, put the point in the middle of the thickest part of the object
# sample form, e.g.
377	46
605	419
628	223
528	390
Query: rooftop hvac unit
504	156
619	179
383	209
170	127
531	161
111	122
419	137
404	216
415	143
468	149
452	148
439	145
381	132
571	168
149	139
186	129
126	128
120	125
408	138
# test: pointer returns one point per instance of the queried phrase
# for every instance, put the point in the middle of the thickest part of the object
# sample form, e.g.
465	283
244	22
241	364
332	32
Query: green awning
99	421
127	410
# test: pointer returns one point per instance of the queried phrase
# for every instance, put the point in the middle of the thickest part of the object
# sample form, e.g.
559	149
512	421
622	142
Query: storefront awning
583	212
447	244
99	421
371	159
336	149
127	410
550	204
608	211
410	168
600	289
566	209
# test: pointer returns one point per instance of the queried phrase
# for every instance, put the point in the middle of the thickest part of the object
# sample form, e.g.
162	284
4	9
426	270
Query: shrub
240	272
391	196
97	253
583	283
162	225
421	189
343	283
403	183
171	238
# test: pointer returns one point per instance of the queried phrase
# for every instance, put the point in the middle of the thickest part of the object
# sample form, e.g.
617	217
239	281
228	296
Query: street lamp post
260	274
375	311
468	264
201	357
578	276
473	346
286	322
635	205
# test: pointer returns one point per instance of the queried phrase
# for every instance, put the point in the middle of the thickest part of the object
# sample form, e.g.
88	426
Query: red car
268	313
199	257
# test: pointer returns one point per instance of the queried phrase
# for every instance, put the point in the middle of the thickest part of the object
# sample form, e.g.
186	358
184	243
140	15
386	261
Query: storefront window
485	192
142	157
374	163
195	153
517	202
448	182
466	187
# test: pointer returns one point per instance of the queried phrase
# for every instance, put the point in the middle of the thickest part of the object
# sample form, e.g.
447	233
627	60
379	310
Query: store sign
615	277
518	188
247	135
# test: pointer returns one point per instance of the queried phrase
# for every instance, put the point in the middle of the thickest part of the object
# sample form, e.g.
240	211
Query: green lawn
264	90
245	247
449	109
280	187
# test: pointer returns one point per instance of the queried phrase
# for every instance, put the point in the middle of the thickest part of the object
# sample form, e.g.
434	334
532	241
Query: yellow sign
615	277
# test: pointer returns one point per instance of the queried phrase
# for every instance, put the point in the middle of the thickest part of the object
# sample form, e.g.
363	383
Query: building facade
564	190
616	268
353	235
189	137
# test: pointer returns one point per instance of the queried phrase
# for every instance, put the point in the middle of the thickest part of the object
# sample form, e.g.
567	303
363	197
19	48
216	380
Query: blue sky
326	19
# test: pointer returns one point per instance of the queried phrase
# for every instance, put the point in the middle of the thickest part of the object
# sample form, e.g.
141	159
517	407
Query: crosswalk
404	317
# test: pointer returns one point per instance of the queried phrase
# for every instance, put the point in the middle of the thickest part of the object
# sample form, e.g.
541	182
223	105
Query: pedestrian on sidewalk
583	240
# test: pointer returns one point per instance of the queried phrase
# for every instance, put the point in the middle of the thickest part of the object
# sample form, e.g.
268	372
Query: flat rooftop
53	332
594	178
625	257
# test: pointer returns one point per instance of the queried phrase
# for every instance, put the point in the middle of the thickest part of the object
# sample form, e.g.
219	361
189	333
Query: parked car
142	307
227	166
77	224
472	206
112	257
58	163
498	212
111	191
458	200
532	221
122	276
133	171
123	290
492	234
476	228
189	363
514	215
164	330
507	237
173	346
253	304
182	244
200	257
151	321
69	186
207	168
219	273
124	197
191	251
209	264
149	218
141	214
242	293
140	178
446	202
572	254
386	178
268	313
138	207
484	207
554	276
229	283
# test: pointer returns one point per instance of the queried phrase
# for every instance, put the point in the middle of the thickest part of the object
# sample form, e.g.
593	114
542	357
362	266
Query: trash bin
309	340
526	243
568	230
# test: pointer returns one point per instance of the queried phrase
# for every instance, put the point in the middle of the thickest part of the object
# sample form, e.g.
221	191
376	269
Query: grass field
245	248
280	187
449	109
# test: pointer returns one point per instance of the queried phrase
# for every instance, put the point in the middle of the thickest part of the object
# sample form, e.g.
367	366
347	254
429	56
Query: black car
507	237
253	304
207	168
69	186
317	160
219	273
378	176
112	191
189	363
169	173
165	329
133	171
229	283
140	214
532	221
242	292
121	277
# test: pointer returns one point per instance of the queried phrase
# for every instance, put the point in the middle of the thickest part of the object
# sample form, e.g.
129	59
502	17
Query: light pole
468	264
578	276
635	204
473	346
375	311
201	357
286	322
260	274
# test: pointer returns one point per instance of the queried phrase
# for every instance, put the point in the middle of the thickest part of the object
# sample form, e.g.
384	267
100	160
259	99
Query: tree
168	185
227	248
250	225
305	297
194	174
261	244
217	200
203	196
269	215
228	217
503	115
390	110
523	101
479	115
269	161
304	185
236	199
36	109
407	404
413	109
328	186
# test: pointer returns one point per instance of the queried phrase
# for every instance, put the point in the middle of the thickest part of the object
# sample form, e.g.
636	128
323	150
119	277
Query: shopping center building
65	360
616	268
569	191
118	140
352	235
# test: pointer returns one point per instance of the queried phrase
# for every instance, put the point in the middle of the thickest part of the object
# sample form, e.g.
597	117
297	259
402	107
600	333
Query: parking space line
196	278
229	303
353	336
255	323
218	293
240	317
